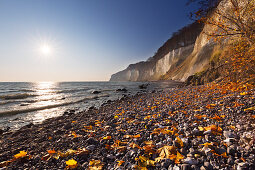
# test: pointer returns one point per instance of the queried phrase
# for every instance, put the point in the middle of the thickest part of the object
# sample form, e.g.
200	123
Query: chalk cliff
187	52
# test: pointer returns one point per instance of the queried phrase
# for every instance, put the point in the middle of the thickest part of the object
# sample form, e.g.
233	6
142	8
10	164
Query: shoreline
135	128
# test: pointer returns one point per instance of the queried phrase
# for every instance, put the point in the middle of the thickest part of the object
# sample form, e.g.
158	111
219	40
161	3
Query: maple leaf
21	154
71	164
166	151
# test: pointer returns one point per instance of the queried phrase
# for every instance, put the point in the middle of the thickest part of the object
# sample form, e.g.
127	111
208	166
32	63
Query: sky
82	40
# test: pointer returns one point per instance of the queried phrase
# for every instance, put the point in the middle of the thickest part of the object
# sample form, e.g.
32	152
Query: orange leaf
133	145
74	134
21	154
120	163
51	151
137	136
179	141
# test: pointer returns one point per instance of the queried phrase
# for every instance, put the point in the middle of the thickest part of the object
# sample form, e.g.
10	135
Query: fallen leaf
250	109
71	164
120	162
95	165
166	151
51	151
179	141
67	153
4	163
88	127
134	145
207	144
178	158
107	137
137	136
21	154
148	142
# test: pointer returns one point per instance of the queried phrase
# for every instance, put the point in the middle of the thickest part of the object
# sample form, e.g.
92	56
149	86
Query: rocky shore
203	127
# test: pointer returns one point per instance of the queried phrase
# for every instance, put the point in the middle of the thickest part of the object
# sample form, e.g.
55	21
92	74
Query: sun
46	49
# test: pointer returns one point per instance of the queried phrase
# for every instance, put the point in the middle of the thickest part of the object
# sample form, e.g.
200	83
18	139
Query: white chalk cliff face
177	64
153	70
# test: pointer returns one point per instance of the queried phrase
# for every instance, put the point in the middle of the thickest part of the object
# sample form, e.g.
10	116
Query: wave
17	96
6	102
14	112
71	90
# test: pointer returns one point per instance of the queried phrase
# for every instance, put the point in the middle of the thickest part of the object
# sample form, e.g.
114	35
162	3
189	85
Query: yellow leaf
244	93
200	128
166	151
207	144
21	154
251	108
116	117
107	137
71	163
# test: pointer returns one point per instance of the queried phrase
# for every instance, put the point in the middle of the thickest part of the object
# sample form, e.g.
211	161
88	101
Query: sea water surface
22	103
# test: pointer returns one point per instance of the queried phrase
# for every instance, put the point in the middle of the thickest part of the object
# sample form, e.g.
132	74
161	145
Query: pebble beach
195	127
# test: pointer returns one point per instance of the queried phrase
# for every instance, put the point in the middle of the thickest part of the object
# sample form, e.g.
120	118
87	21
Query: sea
22	103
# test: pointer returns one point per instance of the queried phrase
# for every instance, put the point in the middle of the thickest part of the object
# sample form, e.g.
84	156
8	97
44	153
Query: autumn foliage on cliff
232	23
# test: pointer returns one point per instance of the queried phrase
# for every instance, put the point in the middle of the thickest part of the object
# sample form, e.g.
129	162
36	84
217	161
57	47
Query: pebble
108	133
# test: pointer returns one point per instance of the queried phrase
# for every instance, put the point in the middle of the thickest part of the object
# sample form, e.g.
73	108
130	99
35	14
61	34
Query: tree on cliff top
228	18
233	20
